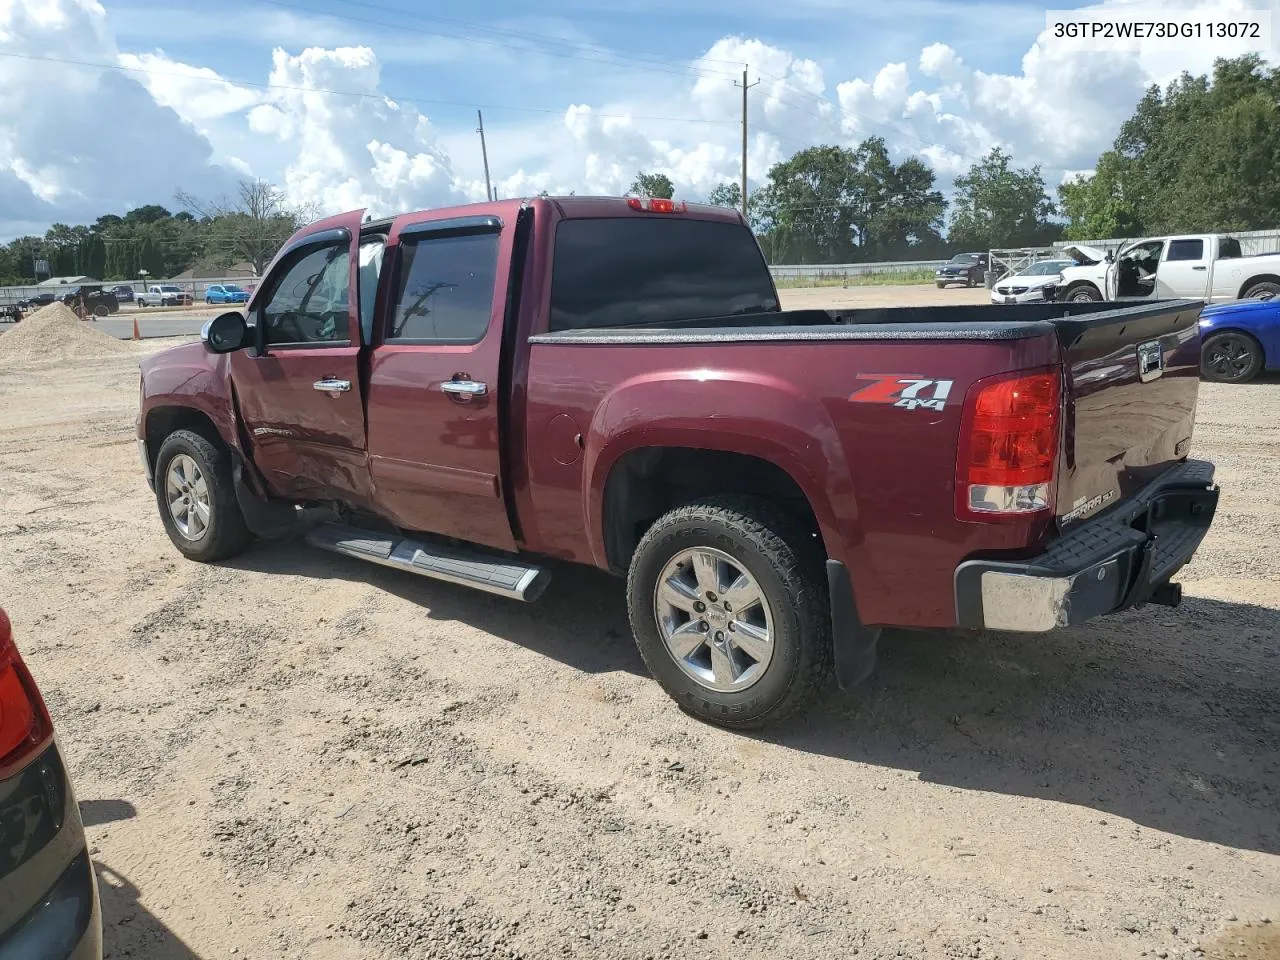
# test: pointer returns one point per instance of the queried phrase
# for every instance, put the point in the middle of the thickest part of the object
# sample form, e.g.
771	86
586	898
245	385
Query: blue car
1240	339
226	293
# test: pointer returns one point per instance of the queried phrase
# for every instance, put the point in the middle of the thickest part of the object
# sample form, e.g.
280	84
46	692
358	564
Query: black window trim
438	230
322	239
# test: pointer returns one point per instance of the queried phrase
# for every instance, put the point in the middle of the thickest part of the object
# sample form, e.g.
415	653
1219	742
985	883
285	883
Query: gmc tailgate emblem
1150	361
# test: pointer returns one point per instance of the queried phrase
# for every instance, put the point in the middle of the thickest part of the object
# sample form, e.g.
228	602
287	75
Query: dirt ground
297	755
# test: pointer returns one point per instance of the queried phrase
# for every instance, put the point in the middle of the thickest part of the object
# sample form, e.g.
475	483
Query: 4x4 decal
909	391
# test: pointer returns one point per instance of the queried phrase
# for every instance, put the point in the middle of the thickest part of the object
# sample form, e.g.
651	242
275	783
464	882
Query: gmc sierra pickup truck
463	393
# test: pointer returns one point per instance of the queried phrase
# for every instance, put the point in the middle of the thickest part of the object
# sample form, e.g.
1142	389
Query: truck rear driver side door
1184	274
435	447
299	389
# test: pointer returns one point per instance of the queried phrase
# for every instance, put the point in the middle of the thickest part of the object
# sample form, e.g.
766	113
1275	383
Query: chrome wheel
714	619
188	495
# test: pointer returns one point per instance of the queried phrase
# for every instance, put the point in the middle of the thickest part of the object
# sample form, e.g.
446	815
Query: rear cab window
629	271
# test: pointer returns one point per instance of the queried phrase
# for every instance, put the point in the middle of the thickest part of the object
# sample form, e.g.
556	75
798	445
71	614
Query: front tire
1083	293
728	603
1230	357
196	497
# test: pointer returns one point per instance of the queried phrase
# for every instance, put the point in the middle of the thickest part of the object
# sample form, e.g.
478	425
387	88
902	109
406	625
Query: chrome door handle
465	388
329	385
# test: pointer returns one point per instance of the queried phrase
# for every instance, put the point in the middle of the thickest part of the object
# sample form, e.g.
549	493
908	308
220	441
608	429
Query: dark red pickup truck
612	382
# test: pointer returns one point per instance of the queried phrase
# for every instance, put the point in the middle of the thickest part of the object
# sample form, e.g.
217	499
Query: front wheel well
1253	281
646	483
162	421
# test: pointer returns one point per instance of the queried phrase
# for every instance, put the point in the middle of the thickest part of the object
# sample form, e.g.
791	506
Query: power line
416	101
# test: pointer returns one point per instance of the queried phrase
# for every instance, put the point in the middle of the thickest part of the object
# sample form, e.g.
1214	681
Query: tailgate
1132	375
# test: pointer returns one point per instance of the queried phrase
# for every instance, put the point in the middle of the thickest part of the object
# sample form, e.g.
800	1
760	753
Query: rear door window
446	289
626	271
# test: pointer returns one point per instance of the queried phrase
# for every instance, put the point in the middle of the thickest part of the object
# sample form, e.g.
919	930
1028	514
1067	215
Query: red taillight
25	727
657	205
1009	445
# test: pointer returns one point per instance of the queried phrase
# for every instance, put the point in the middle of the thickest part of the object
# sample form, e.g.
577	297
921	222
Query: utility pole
484	152
745	87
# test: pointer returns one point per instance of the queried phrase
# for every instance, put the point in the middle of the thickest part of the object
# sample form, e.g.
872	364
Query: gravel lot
298	755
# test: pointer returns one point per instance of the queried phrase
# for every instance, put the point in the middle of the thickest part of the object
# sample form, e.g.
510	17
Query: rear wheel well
646	483
163	421
1253	281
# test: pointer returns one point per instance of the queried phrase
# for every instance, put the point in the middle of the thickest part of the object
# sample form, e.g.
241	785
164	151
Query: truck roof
569	207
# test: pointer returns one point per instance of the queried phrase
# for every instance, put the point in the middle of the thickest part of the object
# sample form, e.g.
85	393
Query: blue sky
578	94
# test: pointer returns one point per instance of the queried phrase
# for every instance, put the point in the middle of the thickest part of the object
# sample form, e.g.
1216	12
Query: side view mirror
1111	257
226	333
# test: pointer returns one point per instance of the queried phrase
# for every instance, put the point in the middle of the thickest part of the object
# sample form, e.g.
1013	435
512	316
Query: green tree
726	195
9	275
251	228
1097	206
833	204
91	257
150	258
999	205
653	185
1202	154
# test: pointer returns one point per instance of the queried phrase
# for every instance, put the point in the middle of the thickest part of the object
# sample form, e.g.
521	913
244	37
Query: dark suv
967	268
48	894
98	302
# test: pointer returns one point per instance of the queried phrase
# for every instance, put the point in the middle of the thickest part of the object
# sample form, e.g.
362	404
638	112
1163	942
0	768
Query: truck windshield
625	271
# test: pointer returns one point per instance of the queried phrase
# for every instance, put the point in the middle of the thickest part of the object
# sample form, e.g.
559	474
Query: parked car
10	312
48	893
1198	267
164	295
123	292
967	268
38	300
1037	282
97	302
225	293
1241	339
613	382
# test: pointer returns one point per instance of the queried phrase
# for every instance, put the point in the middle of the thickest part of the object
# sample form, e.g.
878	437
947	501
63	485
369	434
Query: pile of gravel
54	333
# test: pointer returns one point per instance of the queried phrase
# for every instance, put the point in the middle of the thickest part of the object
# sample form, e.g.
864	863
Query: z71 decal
903	390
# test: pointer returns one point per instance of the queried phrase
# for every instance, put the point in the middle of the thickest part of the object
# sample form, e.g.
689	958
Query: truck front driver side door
299	389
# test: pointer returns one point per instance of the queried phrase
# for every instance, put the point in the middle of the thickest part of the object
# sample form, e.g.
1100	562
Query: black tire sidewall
1073	295
772	688
223	509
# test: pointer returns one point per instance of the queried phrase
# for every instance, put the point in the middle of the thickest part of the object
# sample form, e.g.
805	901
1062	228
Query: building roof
63	281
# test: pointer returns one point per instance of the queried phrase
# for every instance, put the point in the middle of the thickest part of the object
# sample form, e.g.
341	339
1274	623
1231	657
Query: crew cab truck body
1200	267
611	382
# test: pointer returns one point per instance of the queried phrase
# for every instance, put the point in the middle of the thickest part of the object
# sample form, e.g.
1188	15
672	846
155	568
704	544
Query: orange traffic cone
136	334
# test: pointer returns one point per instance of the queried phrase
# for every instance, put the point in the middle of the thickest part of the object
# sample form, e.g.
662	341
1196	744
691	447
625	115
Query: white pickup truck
1201	267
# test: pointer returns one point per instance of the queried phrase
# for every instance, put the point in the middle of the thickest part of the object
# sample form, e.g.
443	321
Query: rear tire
1230	357
1264	287
201	479
759	550
101	310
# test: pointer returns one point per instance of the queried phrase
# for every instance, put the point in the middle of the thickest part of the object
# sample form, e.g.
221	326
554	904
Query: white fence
834	271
